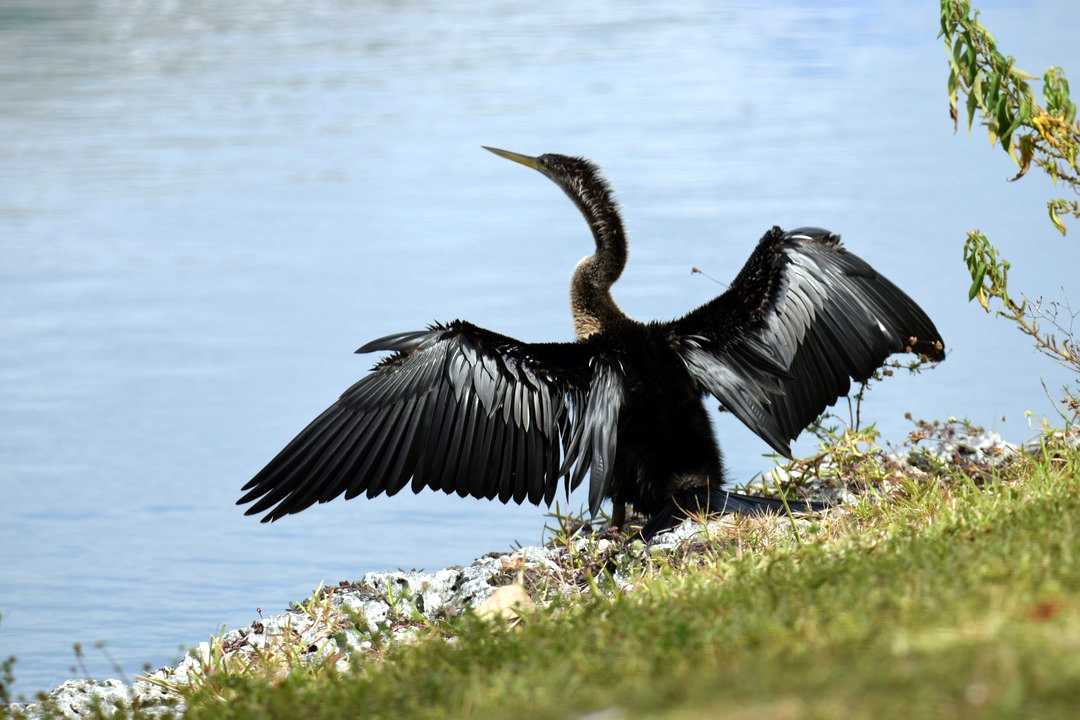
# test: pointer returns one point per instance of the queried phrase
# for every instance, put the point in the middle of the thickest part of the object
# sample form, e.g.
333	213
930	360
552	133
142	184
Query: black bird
466	410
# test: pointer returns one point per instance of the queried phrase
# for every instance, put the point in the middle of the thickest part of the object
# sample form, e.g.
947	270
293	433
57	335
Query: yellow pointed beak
525	160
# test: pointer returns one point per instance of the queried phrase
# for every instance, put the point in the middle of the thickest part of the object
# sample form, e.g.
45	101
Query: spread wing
460	409
802	317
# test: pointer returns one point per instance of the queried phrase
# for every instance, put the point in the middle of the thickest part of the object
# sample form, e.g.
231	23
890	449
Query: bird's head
579	178
561	169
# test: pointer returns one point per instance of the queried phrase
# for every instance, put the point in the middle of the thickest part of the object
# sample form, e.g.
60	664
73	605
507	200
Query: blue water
204	208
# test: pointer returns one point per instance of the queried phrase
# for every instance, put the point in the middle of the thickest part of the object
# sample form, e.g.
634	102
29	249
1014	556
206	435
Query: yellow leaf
1027	149
1056	220
981	297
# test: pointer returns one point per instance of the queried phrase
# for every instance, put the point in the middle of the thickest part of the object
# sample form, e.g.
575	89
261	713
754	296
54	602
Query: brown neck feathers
591	303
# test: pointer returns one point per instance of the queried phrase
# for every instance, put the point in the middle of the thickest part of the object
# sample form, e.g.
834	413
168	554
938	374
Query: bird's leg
618	514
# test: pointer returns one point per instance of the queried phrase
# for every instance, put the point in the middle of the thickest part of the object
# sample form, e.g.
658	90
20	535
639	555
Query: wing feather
801	319
460	409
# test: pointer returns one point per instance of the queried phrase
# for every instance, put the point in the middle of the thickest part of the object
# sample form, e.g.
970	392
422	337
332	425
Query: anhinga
465	410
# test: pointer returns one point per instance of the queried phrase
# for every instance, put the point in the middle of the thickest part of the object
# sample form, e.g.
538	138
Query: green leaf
958	52
1006	138
971	105
977	282
1027	109
1001	114
991	96
977	87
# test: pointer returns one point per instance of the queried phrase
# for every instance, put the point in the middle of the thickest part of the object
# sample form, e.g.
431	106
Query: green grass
953	598
950	600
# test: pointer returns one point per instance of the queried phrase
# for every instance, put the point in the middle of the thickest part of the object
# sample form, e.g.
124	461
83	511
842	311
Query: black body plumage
464	410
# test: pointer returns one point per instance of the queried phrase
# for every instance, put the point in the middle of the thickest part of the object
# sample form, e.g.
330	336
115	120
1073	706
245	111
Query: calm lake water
205	207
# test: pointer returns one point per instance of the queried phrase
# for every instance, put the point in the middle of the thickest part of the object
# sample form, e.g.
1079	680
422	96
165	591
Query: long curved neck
591	303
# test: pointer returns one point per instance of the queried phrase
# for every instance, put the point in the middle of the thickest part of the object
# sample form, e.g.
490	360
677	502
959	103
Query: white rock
373	611
77	698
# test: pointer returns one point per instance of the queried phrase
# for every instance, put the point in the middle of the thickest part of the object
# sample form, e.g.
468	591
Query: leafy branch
990	281
1044	134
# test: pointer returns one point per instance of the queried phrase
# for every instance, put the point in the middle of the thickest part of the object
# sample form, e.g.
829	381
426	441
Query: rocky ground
367	615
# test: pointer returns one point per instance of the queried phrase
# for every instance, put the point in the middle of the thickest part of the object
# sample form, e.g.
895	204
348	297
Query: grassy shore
950	595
